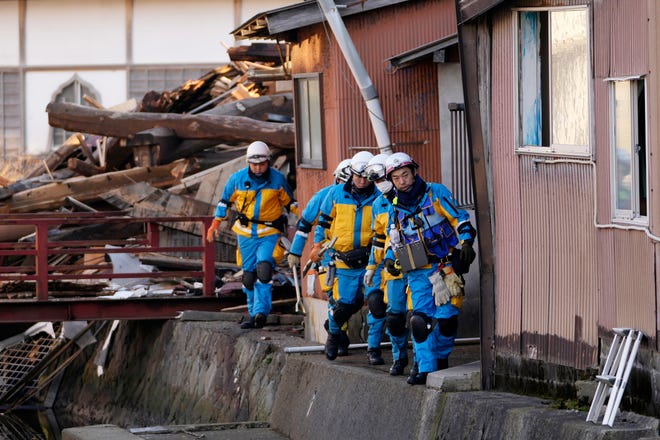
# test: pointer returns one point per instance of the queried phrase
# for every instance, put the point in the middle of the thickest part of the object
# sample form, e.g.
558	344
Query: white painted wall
175	32
67	37
9	49
70	32
40	86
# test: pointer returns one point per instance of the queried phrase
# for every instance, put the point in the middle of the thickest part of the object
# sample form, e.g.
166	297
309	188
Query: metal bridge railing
45	259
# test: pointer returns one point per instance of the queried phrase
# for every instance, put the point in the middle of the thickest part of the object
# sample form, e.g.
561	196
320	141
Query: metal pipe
321	348
359	72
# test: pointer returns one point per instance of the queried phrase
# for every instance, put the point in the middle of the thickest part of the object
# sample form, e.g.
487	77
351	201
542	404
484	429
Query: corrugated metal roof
425	50
281	22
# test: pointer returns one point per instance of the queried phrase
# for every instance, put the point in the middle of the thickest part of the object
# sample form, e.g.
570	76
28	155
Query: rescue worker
425	231
260	195
307	220
346	211
388	300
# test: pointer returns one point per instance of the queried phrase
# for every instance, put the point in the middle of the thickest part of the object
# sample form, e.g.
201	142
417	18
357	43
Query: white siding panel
9	49
174	32
40	87
66	32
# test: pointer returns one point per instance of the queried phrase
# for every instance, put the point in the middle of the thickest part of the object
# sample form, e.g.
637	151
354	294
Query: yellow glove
453	281
212	232
293	260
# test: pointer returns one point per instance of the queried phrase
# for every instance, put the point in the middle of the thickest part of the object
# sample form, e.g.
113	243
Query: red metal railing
44	248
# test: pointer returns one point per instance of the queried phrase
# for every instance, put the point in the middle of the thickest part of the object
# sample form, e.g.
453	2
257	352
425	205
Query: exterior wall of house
565	276
100	42
409	97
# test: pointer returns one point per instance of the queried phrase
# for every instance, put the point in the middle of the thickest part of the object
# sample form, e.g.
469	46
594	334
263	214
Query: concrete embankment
174	373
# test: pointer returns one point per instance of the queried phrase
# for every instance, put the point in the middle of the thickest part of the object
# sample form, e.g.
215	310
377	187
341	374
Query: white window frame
308	107
547	144
637	212
80	88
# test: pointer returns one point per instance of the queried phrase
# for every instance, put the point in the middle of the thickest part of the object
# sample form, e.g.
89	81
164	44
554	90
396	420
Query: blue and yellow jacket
346	214
379	224
259	201
308	219
435	219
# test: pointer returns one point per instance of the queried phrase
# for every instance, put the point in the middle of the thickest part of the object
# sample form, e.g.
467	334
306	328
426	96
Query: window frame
553	149
310	145
634	214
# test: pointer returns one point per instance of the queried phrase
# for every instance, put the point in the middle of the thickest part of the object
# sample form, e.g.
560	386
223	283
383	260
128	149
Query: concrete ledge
460	378
98	432
329	400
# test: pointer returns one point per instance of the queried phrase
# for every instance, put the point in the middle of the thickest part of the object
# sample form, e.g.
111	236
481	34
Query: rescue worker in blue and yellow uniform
261	195
388	300
346	212
426	229
307	221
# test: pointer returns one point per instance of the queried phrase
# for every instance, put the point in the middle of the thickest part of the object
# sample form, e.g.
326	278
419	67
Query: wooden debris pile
168	155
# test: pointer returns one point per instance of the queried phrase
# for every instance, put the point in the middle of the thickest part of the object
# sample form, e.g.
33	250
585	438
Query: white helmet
342	172
376	167
398	160
359	162
257	152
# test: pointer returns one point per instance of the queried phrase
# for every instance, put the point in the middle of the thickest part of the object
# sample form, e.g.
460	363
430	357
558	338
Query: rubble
168	155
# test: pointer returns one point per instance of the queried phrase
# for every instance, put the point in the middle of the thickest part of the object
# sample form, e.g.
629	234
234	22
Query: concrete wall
175	373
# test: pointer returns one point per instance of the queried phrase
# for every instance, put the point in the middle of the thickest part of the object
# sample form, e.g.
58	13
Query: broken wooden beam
85	189
202	126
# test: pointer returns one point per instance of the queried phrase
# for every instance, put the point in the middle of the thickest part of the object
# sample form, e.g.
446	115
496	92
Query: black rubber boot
413	372
417	379
344	342
259	320
443	364
398	366
249	323
374	356
332	346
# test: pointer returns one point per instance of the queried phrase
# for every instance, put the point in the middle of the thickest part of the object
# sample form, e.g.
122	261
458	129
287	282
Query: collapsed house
168	155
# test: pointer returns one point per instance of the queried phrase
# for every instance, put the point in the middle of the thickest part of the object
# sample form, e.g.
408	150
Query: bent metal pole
320	348
359	72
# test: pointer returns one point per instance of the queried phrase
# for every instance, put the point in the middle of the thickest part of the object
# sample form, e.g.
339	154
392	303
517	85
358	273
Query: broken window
628	149
11	142
553	81
73	91
308	120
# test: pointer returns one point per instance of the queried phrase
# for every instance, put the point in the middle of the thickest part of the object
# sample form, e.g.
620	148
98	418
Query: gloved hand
314	254
293	260
467	254
369	277
212	232
453	281
392	267
440	291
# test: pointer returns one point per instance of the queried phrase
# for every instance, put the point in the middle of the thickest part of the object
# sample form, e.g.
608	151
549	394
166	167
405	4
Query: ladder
613	379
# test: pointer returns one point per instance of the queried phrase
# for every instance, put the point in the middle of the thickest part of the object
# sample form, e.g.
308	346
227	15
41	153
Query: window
628	151
553	81
73	91
11	141
308	121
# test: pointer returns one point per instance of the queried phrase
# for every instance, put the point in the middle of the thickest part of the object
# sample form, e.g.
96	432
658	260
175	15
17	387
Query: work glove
293	260
392	267
453	281
314	253
369	277
213	230
467	254
440	291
